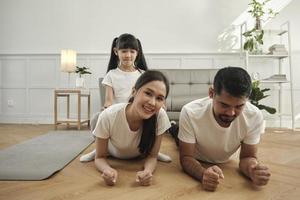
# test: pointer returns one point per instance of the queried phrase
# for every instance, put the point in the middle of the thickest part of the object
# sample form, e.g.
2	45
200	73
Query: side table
66	93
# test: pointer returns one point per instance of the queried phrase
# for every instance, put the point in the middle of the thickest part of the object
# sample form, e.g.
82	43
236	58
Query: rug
42	156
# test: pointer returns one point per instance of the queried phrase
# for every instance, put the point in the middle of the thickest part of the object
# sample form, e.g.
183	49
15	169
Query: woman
129	130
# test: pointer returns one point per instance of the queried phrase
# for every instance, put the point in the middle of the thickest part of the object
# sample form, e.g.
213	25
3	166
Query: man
213	128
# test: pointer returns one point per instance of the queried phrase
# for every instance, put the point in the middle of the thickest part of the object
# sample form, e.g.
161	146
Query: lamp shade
68	60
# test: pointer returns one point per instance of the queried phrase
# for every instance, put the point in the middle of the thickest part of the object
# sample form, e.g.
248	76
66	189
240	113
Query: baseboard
25	119
49	119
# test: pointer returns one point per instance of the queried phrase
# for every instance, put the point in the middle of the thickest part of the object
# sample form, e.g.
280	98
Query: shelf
268	56
276	78
281	51
274	81
281	114
275	32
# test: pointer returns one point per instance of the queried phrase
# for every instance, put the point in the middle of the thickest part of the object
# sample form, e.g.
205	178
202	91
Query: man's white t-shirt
123	142
121	82
214	143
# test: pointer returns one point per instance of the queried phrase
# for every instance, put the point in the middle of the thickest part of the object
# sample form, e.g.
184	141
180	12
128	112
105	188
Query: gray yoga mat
42	156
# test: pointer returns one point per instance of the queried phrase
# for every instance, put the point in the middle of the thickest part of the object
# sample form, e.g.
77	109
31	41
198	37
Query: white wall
173	34
88	26
29	80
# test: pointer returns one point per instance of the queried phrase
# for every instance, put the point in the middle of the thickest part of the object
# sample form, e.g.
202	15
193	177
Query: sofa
186	85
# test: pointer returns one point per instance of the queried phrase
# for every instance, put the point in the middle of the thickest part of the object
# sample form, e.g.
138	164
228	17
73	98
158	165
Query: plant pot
263	127
257	48
80	82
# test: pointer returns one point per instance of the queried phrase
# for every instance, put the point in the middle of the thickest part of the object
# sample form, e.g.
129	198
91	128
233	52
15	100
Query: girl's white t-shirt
121	82
123	142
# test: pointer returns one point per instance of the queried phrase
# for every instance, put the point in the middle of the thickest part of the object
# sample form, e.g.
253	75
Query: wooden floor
279	149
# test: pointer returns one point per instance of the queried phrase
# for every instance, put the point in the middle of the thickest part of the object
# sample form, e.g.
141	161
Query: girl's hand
110	176
144	178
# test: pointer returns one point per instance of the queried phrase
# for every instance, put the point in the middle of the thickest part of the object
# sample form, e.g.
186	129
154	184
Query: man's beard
226	119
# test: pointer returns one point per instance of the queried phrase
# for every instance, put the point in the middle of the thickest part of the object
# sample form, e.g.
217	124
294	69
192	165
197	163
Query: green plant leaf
270	110
261	35
247	34
82	70
247	45
265	90
257	94
251	44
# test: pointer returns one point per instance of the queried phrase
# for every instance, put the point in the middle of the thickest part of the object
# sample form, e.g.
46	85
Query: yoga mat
42	156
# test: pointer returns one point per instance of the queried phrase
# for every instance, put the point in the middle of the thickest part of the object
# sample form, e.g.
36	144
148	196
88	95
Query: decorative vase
80	82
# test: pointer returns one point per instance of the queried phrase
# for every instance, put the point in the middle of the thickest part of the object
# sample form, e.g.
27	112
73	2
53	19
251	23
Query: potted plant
254	37
257	94
80	82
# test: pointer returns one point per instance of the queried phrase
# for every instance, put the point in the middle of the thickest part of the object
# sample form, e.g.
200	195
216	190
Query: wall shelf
283	32
268	56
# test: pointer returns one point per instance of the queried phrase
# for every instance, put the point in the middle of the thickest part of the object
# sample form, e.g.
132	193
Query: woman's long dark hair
149	125
127	41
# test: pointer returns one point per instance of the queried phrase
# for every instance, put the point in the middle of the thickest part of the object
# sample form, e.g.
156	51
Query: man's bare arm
189	164
257	172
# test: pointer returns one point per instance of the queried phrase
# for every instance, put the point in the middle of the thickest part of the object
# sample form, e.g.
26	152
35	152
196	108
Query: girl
126	64
129	130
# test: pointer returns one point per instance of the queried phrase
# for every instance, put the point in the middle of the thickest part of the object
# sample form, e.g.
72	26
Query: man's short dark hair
234	80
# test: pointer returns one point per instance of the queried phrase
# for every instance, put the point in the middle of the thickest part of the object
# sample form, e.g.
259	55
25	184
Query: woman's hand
110	176
144	178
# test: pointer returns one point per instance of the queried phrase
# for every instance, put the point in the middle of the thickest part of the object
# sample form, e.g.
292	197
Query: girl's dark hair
149	125
234	80
127	41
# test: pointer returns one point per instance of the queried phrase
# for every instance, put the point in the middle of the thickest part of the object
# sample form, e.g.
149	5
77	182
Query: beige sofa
185	85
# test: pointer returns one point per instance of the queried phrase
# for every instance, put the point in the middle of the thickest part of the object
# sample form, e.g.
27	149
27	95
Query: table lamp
68	62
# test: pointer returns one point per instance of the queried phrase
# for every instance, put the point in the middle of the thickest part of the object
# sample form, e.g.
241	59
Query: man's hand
144	178
259	174
110	176
211	176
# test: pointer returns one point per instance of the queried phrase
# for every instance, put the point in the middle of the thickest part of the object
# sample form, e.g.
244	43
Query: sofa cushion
173	115
186	85
177	102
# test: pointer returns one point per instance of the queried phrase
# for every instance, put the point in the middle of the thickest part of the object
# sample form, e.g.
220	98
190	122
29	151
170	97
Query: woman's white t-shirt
121	82
123	142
